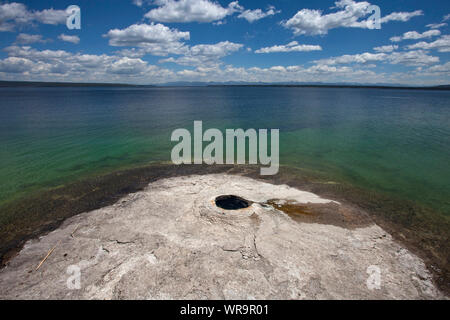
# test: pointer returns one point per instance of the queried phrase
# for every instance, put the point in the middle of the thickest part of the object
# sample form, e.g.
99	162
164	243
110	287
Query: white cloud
437	69
205	54
33	54
159	40
15	65
324	69
408	58
436	25
278	69
12	14
154	39
293	46
156	49
442	44
25	63
159	49
362	58
16	14
447	17
138	3
257	14
280	74
412	58
142	34
350	14
388	48
24	38
50	16
127	66
313	22
191	11
67	38
401	16
396	39
414	35
220	49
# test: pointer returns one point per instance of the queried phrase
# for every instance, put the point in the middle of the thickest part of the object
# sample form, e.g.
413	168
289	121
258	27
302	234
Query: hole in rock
231	202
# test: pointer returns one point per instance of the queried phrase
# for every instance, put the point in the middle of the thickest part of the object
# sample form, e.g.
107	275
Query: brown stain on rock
291	208
327	213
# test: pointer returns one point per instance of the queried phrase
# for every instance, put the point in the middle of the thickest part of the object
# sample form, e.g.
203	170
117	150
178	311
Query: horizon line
8	83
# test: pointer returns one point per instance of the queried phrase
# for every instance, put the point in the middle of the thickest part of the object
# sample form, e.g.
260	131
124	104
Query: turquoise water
392	141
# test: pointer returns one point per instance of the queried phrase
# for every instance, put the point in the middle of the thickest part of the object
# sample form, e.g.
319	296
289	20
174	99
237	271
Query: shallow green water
393	141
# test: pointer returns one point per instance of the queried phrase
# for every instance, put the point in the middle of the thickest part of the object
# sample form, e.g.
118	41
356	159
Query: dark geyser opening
231	202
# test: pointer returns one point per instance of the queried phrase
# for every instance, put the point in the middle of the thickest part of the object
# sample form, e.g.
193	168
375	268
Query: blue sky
157	41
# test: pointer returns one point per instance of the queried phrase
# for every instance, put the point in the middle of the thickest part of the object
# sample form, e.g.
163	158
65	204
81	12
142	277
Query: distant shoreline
13	84
441	88
37	84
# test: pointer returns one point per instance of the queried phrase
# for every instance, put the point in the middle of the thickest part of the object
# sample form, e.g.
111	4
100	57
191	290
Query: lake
390	141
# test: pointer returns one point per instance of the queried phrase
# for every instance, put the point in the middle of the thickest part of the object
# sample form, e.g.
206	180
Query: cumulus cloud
220	49
414	35
16	14
388	48
67	38
15	65
156	49
293	46
60	65
441	45
313	22
141	34
361	58
412	58
279	74
408	58
191	11
203	11
160	40
33	54
205	54
50	16
447	17
154	39
25	63
350	14
24	38
257	14
127	66
440	69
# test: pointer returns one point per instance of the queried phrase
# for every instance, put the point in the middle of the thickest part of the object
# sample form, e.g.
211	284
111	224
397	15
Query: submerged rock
173	241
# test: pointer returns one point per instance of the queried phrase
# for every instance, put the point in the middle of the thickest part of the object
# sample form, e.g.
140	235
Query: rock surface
170	241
